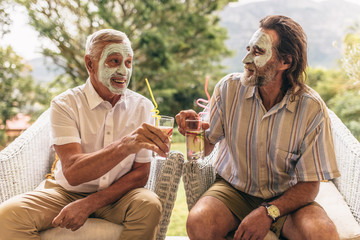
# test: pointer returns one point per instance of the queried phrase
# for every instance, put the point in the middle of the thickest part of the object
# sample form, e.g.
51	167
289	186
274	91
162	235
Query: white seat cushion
338	211
93	229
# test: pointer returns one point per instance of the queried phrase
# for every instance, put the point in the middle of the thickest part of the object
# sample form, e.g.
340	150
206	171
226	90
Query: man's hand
149	137
187	114
73	215
254	226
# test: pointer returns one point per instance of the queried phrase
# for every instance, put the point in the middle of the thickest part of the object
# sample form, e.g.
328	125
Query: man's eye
258	52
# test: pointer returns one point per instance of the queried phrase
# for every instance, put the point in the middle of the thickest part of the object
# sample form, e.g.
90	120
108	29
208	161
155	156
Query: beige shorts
239	203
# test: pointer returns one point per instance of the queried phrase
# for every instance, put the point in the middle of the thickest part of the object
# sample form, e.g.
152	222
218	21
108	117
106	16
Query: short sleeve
63	125
317	160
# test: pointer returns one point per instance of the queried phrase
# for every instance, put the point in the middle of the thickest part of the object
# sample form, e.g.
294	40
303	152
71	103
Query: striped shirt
264	153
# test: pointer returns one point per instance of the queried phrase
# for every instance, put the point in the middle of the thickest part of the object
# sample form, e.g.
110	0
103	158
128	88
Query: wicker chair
340	198
26	161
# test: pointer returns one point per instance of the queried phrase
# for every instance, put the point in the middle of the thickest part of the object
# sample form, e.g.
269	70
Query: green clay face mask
259	41
114	71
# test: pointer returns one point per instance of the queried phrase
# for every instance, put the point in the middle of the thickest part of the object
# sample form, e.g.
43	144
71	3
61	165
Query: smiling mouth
119	80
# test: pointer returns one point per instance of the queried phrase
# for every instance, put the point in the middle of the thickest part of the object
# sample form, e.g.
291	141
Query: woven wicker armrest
347	151
164	181
24	163
198	176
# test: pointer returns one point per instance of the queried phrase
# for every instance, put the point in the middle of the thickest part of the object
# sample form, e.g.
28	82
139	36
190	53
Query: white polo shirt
80	115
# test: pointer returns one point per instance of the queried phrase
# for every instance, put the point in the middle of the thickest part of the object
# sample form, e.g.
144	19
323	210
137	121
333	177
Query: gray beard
255	80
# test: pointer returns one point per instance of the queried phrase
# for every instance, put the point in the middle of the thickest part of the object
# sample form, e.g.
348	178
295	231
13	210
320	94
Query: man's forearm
297	196
136	178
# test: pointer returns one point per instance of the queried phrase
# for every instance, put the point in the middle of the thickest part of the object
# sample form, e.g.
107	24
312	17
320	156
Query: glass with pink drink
194	134
166	125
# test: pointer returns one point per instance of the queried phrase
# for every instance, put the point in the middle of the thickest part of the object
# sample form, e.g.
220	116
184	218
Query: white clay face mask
262	41
117	78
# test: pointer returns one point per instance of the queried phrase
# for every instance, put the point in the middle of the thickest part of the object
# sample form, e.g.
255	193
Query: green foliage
327	82
5	20
346	106
351	60
340	89
18	92
3	139
177	137
176	43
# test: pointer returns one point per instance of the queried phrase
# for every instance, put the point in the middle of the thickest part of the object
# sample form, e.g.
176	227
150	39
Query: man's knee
148	204
13	216
321	228
205	222
198	225
310	222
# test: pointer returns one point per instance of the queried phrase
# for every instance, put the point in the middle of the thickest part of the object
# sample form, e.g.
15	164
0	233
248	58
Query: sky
29	47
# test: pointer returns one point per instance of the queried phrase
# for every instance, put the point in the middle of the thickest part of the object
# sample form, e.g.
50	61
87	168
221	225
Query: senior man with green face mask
105	147
275	145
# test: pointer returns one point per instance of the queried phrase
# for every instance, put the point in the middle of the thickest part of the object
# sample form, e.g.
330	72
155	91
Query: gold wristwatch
272	210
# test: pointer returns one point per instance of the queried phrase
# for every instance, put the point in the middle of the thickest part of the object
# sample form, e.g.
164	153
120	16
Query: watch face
273	211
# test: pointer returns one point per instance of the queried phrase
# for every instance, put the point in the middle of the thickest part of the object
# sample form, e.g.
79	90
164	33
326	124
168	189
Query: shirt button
108	133
103	178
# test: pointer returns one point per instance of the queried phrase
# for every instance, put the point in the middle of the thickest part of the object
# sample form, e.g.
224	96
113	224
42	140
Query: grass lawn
177	226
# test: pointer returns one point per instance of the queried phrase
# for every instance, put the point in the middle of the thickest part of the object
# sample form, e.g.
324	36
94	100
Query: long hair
292	43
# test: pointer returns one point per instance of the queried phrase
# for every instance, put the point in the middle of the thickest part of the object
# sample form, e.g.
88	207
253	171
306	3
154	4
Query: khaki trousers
24	216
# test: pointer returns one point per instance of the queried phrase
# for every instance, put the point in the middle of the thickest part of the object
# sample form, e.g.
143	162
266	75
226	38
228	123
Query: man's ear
286	62
89	64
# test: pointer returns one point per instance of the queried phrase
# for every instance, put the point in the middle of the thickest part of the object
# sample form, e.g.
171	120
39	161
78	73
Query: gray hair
96	41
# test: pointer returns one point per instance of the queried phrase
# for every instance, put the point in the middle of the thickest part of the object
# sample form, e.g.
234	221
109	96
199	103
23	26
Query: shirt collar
250	92
289	100
94	98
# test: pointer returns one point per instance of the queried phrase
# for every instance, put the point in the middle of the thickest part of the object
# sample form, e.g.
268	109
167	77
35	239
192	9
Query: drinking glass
166	125
194	139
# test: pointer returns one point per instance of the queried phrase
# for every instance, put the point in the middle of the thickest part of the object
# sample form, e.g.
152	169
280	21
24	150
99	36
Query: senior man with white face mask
105	147
275	145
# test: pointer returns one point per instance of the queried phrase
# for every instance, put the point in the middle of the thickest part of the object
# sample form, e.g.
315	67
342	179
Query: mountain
44	69
324	22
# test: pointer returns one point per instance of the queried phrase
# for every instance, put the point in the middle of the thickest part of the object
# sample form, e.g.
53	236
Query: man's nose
121	70
248	58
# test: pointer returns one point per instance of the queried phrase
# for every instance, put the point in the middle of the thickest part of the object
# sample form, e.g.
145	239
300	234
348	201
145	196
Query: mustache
250	66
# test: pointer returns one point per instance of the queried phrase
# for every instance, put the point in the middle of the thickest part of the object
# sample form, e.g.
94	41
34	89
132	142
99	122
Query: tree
18	92
176	43
346	103
327	82
5	19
